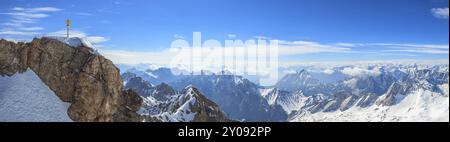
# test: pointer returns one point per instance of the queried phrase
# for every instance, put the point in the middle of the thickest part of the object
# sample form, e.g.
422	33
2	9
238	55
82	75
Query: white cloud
286	48
131	57
96	39
37	9
92	39
421	50
441	13
21	18
24	15
306	47
400	47
32	29
358	71
361	63
343	44
415	48
13	24
409	45
17	33
167	56
328	71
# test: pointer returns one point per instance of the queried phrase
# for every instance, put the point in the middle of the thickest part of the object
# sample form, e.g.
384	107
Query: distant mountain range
303	95
236	96
58	79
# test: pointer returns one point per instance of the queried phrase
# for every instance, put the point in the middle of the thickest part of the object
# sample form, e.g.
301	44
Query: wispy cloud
285	48
414	48
13	24
21	20
441	13
400	47
428	46
346	44
20	33
419	50
24	15
92	39
307	47
32	29
362	63
37	9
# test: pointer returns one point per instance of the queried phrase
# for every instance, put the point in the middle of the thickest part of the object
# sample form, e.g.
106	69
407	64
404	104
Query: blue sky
364	29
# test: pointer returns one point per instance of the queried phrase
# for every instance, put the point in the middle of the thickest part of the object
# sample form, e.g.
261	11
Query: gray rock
90	82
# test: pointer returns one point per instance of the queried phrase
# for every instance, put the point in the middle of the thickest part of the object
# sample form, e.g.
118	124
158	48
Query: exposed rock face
206	110
239	98
164	92
161	92
132	103
77	75
163	104
188	105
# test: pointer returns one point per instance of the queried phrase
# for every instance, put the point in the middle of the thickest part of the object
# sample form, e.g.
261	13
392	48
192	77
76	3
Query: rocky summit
77	75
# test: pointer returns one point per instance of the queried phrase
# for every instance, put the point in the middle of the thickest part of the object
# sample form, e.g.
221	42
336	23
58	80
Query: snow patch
73	41
328	71
25	98
357	71
419	106
152	75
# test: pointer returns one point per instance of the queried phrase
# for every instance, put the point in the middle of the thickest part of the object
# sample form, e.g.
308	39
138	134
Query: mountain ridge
89	81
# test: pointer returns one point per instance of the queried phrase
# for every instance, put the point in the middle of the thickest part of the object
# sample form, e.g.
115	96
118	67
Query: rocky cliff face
163	104
189	105
90	82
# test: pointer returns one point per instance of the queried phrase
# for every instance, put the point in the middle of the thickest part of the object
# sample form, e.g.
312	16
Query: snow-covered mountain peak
73	41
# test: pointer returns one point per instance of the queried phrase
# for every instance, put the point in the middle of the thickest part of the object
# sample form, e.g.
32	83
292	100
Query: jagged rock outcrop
163	104
164	92
90	82
390	97
238	97
160	92
187	106
131	103
205	109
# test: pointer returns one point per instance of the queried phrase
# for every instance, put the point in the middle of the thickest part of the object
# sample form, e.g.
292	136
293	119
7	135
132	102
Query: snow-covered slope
301	81
394	93
421	105
24	98
77	42
289	101
73	41
178	109
239	98
187	106
381	92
